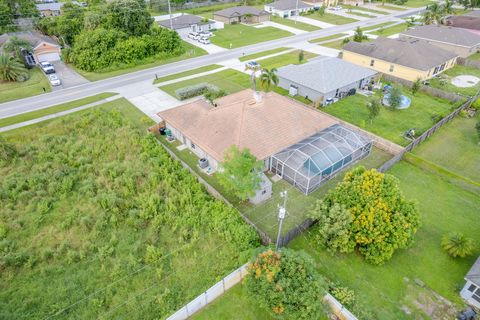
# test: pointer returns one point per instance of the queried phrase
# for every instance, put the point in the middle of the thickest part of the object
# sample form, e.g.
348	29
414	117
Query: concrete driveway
69	77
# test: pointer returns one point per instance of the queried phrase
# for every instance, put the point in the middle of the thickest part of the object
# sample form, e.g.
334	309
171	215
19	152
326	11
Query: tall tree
395	97
130	16
15	44
433	14
6	14
10	69
373	109
359	36
268	78
241	172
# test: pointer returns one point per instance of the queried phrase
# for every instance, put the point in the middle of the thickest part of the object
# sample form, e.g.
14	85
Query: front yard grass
336	44
386	32
475	56
380	25
187	73
229	80
392	124
331	18
389	7
191	51
360	14
418	3
239	35
254	56
17	90
449	74
332	37
291	23
285	59
54	109
456	147
360	8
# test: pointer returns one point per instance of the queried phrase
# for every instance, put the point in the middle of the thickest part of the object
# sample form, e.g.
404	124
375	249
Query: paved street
113	84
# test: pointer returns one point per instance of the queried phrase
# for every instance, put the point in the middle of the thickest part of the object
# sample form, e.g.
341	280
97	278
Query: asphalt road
84	90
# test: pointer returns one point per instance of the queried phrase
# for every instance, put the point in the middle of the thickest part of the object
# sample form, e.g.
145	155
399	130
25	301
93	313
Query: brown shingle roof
465	22
264	128
240	11
445	34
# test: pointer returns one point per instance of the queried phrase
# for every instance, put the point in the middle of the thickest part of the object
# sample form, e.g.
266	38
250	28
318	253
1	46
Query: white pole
170	14
281	215
296	12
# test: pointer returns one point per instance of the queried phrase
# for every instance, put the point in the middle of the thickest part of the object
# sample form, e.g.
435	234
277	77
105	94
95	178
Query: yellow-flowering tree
382	219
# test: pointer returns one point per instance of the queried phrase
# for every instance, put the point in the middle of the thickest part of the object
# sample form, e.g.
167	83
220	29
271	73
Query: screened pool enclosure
314	160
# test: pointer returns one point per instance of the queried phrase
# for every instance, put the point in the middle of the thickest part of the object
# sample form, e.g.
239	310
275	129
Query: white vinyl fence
211	294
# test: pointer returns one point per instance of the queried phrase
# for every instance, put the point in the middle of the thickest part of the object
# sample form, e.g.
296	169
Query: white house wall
467	295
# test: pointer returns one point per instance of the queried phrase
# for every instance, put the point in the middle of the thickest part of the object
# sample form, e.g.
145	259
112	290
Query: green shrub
194	90
457	245
344	295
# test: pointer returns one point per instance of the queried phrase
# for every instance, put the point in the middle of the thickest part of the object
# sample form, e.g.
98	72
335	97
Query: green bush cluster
195	90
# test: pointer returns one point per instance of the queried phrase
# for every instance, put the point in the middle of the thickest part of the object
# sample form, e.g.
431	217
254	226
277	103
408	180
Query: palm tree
14	45
253	76
10	69
448	7
268	78
457	245
433	14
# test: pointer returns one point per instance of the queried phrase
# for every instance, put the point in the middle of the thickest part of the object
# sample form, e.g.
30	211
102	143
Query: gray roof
474	13
56	6
288	5
474	273
445	34
33	37
183	21
240	11
410	53
325	74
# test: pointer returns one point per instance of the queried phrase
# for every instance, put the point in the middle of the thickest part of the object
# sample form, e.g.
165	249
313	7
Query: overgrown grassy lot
456	147
331	18
254	56
97	221
239	35
392	124
229	80
388	31
187	73
50	110
298	25
18	90
191	51
449	74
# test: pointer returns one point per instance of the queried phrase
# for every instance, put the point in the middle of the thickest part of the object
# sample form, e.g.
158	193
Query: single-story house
50	9
288	8
320	3
401	58
471	290
267	124
186	23
44	48
353	2
463	42
241	14
324	78
470	21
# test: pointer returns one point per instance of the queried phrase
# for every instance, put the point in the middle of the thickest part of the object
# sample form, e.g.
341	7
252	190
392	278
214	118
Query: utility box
264	192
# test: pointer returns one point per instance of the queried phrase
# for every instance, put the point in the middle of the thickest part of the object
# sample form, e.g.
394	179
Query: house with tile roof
241	14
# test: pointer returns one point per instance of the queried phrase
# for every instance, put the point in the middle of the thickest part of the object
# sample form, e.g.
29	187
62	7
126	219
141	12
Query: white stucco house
288	8
471	291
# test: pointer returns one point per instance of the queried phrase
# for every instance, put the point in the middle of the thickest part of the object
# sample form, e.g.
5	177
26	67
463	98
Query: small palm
10	69
268	78
457	245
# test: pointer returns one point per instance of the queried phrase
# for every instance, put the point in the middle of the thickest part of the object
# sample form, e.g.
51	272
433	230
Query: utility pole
281	215
170	14
296	14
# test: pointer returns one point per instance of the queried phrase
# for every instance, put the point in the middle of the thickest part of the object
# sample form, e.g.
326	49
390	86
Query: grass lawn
60	107
455	141
391	124
333	36
254	56
385	32
331	18
457	70
360	14
291	23
389	7
384	290
360	8
381	25
95	216
285	59
418	3
337	44
475	56
239	35
229	80
191	52
32	87
187	73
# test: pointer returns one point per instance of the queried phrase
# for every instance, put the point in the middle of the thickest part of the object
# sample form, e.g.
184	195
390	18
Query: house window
372	62
336	92
472	288
435	71
264	191
192	145
391	67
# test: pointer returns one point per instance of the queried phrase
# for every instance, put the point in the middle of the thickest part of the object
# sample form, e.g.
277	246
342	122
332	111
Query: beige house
44	48
241	14
355	3
401	58
320	3
462	42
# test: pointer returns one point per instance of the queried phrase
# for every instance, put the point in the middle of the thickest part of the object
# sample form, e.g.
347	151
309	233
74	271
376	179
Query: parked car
204	41
28	59
194	35
54	80
252	64
47	67
337	8
207	33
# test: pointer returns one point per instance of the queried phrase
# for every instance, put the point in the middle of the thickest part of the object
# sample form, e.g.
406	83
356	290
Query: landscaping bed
32	87
239	35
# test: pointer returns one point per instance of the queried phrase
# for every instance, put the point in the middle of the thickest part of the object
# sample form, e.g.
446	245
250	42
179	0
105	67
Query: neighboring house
44	48
267	124
320	3
50	9
405	59
242	14
463	42
471	290
288	8
186	23
324	78
470	20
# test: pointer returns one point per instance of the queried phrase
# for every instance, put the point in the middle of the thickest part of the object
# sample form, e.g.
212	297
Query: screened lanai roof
321	151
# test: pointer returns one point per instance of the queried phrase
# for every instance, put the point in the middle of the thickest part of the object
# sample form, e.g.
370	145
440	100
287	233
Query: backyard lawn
448	75
239	35
298	25
392	124
191	51
18	90
388	31
331	18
